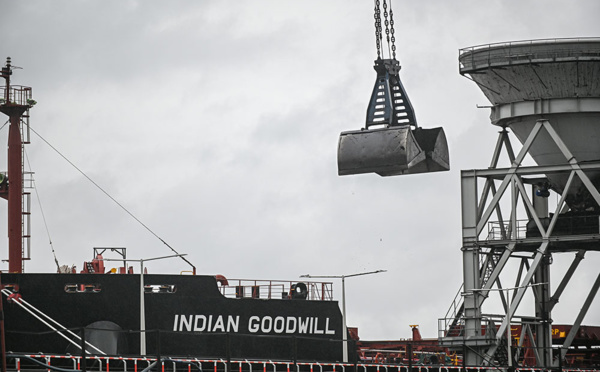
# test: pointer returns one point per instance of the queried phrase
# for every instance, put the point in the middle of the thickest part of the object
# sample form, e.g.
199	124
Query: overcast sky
216	123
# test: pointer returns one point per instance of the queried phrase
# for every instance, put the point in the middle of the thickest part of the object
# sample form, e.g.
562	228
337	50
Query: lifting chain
389	28
392	31
378	28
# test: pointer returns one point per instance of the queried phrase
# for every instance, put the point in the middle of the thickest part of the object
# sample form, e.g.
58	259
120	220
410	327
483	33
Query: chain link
392	31
389	28
378	27
387	25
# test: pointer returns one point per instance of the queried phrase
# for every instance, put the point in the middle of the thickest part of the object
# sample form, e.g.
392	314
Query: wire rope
111	198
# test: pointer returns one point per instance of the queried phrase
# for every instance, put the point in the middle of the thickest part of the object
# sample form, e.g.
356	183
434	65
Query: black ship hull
184	316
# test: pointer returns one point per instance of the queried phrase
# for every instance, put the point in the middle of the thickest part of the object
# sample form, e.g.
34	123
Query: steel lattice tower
547	93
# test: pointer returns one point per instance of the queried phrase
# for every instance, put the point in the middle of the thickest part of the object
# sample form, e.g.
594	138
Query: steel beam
584	309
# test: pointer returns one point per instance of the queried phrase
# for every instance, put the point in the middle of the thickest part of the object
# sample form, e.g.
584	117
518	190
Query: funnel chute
554	80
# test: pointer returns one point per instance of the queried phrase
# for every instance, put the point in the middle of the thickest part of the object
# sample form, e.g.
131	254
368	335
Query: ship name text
254	324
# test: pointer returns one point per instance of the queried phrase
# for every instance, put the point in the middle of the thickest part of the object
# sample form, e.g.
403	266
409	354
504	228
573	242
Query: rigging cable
113	199
42	212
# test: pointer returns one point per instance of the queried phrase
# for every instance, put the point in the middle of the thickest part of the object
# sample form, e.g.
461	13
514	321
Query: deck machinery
547	93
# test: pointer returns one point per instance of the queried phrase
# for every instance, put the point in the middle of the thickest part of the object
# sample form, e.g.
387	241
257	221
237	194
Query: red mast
15	101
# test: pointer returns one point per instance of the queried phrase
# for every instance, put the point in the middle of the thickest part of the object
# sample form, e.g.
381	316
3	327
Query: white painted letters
288	327
186	322
266	324
316	330
254	324
279	324
327	330
198	328
303	326
233	325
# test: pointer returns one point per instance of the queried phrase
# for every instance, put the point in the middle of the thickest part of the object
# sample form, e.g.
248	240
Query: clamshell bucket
396	146
393	151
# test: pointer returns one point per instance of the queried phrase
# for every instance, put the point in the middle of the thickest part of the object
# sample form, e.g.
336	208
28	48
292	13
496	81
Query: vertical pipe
142	312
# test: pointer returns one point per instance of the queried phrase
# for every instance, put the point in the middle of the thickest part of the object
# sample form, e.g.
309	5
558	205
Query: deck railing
276	289
17	94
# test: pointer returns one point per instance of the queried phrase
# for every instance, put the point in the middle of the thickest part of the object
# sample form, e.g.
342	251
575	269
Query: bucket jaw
391	144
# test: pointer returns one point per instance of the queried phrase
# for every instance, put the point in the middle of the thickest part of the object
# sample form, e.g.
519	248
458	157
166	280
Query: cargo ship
122	312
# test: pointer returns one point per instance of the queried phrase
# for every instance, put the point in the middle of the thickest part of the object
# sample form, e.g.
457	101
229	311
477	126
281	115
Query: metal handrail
495	230
17	94
528	42
517	52
275	289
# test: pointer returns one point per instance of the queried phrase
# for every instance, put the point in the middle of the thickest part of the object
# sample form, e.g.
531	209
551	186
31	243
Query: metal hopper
554	80
392	143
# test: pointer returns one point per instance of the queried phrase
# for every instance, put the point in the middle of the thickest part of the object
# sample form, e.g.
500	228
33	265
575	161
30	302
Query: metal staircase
453	324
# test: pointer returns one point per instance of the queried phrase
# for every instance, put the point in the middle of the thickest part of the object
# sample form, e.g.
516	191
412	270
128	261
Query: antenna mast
15	103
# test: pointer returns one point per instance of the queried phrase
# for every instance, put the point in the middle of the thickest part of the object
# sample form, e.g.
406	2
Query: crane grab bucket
392	144
393	151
